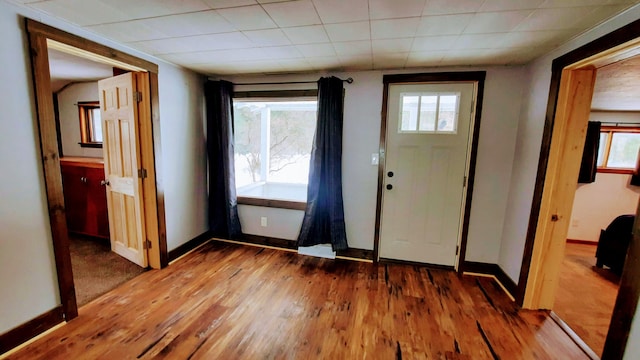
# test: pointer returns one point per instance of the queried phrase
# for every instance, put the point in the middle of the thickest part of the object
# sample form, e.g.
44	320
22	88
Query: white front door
427	147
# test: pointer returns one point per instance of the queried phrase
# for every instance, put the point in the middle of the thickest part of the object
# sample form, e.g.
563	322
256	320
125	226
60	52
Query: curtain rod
347	80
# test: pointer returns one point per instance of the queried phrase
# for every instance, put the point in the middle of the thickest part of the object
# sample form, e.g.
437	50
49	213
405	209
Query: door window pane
448	115
428	108
409	113
429	113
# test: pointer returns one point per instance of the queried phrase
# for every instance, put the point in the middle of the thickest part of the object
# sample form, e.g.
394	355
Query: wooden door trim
467	76
38	34
628	296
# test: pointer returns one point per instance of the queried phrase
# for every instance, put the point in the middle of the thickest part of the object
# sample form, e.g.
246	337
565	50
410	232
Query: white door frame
445	77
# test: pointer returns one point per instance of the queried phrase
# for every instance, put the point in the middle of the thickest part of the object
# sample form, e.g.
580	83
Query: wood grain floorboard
586	295
228	301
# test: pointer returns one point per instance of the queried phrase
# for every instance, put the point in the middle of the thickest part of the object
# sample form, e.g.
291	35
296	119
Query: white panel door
119	112
427	147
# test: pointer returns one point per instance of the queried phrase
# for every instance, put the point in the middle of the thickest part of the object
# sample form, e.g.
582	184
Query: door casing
39	34
463	76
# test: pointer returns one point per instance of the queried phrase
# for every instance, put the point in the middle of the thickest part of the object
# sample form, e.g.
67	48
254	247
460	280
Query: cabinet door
97	217
75	197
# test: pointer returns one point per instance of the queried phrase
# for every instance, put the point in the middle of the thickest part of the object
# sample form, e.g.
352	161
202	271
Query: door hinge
142	173
146	244
137	96
464	182
457	250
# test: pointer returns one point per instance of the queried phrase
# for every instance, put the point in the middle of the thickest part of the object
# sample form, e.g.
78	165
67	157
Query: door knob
105	182
389	186
390	174
83	179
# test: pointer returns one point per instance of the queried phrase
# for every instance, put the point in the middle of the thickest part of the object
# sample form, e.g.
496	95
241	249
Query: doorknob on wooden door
105	182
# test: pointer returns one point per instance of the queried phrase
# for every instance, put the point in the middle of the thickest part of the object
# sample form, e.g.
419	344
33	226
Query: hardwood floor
586	295
228	301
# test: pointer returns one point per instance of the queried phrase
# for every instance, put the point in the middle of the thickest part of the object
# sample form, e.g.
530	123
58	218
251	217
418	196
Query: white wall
363	105
27	270
527	150
70	118
184	154
598	203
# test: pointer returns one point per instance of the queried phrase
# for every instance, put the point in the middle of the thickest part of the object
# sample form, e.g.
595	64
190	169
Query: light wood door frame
463	76
560	155
38	35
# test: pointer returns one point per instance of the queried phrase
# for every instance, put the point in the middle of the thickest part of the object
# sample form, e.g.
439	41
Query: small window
273	140
618	151
429	113
90	124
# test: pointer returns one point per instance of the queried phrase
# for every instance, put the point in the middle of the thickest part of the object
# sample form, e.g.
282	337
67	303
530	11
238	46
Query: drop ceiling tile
554	19
424	58
443	24
199	23
316	50
467	57
270	37
533	39
384	9
504	5
445	7
280	53
355	63
296	65
307	34
293	13
339	11
348	31
394	28
324	62
493	22
353	48
478	41
600	14
221	4
234	40
248	17
391	46
430	43
390	61
572	3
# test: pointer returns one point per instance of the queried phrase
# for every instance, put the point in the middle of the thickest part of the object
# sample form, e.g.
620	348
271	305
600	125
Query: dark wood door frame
38	34
466	76
629	292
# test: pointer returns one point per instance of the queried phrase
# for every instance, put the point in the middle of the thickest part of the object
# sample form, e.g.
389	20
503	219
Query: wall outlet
263	221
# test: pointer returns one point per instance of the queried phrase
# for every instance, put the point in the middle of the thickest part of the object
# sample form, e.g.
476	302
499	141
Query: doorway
428	149
40	36
572	82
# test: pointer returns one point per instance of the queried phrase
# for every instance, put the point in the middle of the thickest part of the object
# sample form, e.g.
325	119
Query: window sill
95	145
281	204
615	171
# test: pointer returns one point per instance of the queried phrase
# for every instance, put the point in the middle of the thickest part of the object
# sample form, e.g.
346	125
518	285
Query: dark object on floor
97	269
613	243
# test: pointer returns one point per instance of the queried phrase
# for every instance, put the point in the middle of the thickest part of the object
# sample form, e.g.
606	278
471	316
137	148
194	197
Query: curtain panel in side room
223	207
589	164
324	215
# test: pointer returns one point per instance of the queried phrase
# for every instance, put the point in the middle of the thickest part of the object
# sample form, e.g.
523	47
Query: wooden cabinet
85	196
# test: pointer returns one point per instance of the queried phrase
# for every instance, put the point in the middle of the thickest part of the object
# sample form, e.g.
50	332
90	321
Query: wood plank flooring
228	301
586	295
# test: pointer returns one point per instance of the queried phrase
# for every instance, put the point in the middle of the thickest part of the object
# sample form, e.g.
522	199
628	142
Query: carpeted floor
96	269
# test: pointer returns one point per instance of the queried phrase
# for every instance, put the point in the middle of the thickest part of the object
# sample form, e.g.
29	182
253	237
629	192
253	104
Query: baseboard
189	245
492	269
352	253
414	263
28	330
584	242
574	337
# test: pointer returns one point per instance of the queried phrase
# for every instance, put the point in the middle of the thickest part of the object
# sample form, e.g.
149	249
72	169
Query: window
618	151
90	124
273	139
429	113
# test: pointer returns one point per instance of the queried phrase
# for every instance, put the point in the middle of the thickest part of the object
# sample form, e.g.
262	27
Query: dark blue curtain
223	206
323	221
588	166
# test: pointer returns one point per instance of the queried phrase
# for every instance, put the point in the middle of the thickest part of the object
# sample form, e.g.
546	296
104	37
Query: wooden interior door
425	170
119	111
